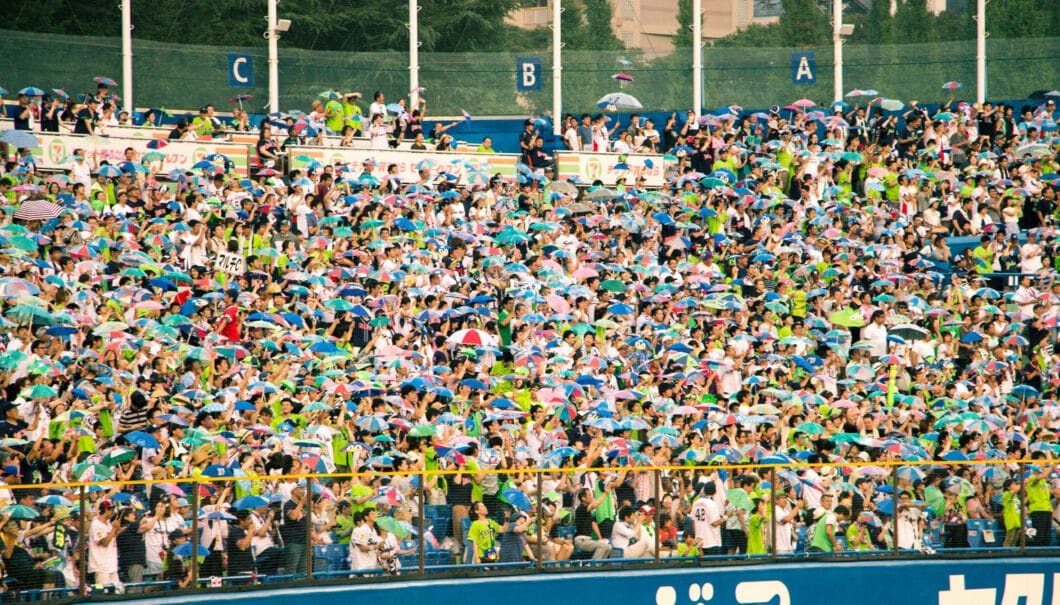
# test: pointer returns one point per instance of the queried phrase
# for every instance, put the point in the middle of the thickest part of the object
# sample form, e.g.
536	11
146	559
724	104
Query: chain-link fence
187	76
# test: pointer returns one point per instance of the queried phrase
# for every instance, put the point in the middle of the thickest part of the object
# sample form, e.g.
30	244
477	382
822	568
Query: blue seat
983	533
565	531
800	544
617	553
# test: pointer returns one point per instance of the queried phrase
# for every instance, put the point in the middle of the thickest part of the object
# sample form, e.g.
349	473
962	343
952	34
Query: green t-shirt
1038	496
359	490
755	541
484	535
503	329
1010	504
984	259
820	532
335	115
203	128
858	538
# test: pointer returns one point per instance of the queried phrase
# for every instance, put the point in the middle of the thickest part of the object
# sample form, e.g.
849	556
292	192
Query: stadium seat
983	533
800	544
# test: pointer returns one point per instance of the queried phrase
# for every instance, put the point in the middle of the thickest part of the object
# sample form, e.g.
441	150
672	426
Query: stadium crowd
788	297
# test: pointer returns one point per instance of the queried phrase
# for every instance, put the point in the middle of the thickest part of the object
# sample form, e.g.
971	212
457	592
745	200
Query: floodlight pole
414	54
557	69
274	59
837	43
127	56
697	57
980	51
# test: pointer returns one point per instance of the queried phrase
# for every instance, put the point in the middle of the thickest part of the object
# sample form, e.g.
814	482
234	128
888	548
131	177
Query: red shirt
230	330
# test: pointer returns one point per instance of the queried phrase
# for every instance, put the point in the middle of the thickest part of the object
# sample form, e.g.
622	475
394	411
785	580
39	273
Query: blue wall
925	582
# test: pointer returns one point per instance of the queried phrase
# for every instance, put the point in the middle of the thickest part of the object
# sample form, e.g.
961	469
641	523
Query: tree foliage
803	24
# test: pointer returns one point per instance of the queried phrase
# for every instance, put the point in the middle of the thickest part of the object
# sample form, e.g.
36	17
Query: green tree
598	26
1018	19
876	27
755	36
913	23
804	24
683	36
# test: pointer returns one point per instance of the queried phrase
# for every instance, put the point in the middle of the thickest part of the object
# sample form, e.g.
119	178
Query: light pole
980	51
272	34
839	31
127	56
414	54
557	69
697	56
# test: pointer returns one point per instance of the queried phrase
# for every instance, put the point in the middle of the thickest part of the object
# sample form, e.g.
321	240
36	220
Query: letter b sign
528	74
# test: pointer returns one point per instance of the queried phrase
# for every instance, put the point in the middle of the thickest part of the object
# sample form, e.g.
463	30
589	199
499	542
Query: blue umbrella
1023	391
248	502
217	470
910	473
142	439
373	424
109	171
19	138
217	516
325	347
517	499
184	550
31	91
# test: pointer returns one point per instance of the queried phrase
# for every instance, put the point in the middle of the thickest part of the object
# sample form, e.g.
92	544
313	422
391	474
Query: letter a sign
528	74
803	68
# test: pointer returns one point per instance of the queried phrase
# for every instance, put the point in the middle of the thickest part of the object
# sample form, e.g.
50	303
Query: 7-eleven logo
56	151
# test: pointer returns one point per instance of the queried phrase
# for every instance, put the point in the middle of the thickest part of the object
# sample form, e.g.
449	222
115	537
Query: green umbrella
392	525
379	322
339	304
712	183
739	499
778	307
613	285
848	318
422	430
40	391
118	455
810	428
19	511
107	327
30	314
582	328
22	242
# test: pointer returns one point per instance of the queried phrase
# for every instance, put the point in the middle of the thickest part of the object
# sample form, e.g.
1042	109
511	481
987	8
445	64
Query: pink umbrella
803	103
951	85
584	273
877	171
622	77
557	303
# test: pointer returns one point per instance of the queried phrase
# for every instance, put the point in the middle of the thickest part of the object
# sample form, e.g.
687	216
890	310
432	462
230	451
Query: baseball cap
647	510
105	505
10	471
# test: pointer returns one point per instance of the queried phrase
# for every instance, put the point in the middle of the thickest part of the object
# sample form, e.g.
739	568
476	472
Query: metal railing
892	479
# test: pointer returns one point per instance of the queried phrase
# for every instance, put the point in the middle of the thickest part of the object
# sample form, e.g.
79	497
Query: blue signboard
803	68
1027	581
240	70
527	74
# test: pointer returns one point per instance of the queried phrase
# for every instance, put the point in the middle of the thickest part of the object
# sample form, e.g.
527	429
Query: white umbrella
38	210
619	100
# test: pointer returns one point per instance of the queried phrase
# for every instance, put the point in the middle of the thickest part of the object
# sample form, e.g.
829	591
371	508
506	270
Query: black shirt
131	547
583	521
21	123
85	117
293	532
239	561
